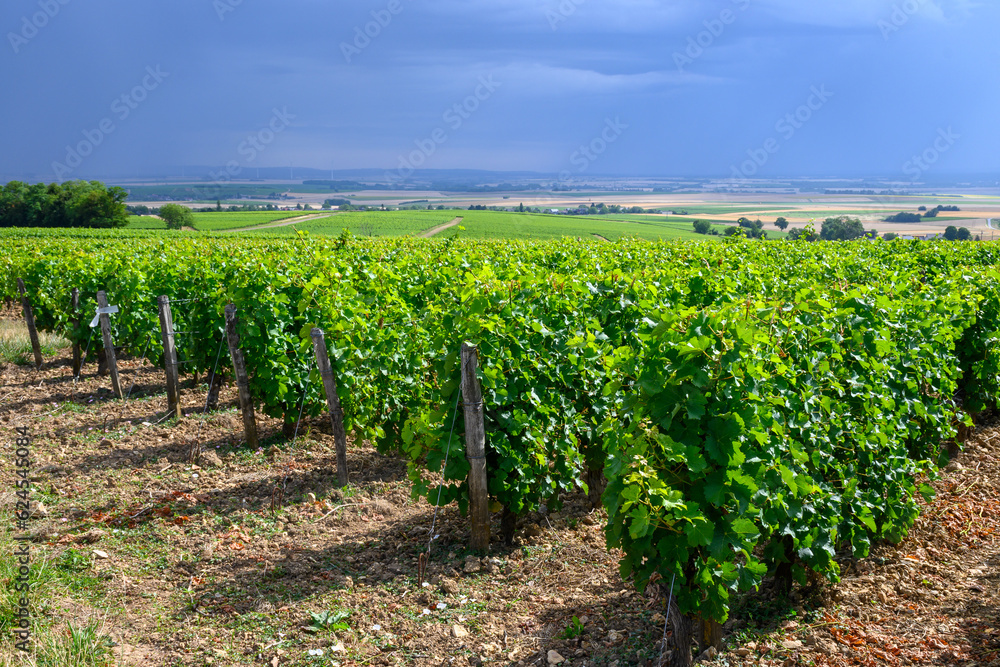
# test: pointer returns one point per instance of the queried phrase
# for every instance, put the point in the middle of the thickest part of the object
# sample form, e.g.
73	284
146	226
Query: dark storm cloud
702	87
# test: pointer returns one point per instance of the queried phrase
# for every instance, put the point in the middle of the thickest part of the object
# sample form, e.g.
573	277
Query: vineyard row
753	409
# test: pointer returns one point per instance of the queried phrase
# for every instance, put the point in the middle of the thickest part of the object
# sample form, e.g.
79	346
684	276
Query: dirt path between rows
932	599
433	231
287	222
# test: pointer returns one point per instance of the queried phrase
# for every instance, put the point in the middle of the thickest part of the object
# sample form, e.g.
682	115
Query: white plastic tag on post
110	310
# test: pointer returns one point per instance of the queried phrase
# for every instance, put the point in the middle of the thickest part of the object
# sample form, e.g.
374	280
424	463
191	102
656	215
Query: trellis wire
663	641
447	451
215	370
83	359
143	358
295	435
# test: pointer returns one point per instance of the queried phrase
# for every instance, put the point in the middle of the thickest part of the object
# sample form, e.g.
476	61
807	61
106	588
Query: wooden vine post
74	304
475	450
109	346
680	655
170	356
29	319
242	380
332	402
709	634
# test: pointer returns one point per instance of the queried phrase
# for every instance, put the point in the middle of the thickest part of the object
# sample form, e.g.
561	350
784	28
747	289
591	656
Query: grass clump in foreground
15	344
54	642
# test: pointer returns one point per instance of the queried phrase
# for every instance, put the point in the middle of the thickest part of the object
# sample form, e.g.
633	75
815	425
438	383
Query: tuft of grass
73	644
15	344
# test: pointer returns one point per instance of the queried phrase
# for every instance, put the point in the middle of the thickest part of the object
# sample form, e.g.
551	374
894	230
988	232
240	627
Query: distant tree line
904	217
70	204
863	192
754	229
952	233
921	214
142	209
843	228
703	227
234	208
347	186
176	216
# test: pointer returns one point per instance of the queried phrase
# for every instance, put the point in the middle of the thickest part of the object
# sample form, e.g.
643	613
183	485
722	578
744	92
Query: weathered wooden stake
242	380
680	655
170	356
109	346
332	402
215	382
475	450
74	304
709	634
29	318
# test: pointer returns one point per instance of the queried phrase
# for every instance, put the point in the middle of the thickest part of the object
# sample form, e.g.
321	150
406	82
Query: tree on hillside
888	236
904	217
781	224
806	234
841	229
951	233
70	204
964	234
177	216
702	226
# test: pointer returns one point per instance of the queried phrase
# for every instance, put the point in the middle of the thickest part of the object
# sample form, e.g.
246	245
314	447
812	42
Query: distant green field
145	222
717	209
495	225
222	220
498	224
475	224
372	223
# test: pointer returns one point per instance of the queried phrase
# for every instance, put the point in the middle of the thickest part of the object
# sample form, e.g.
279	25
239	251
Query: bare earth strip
280	223
440	228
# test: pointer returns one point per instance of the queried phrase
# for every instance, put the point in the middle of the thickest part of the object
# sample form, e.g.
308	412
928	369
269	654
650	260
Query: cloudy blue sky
645	87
